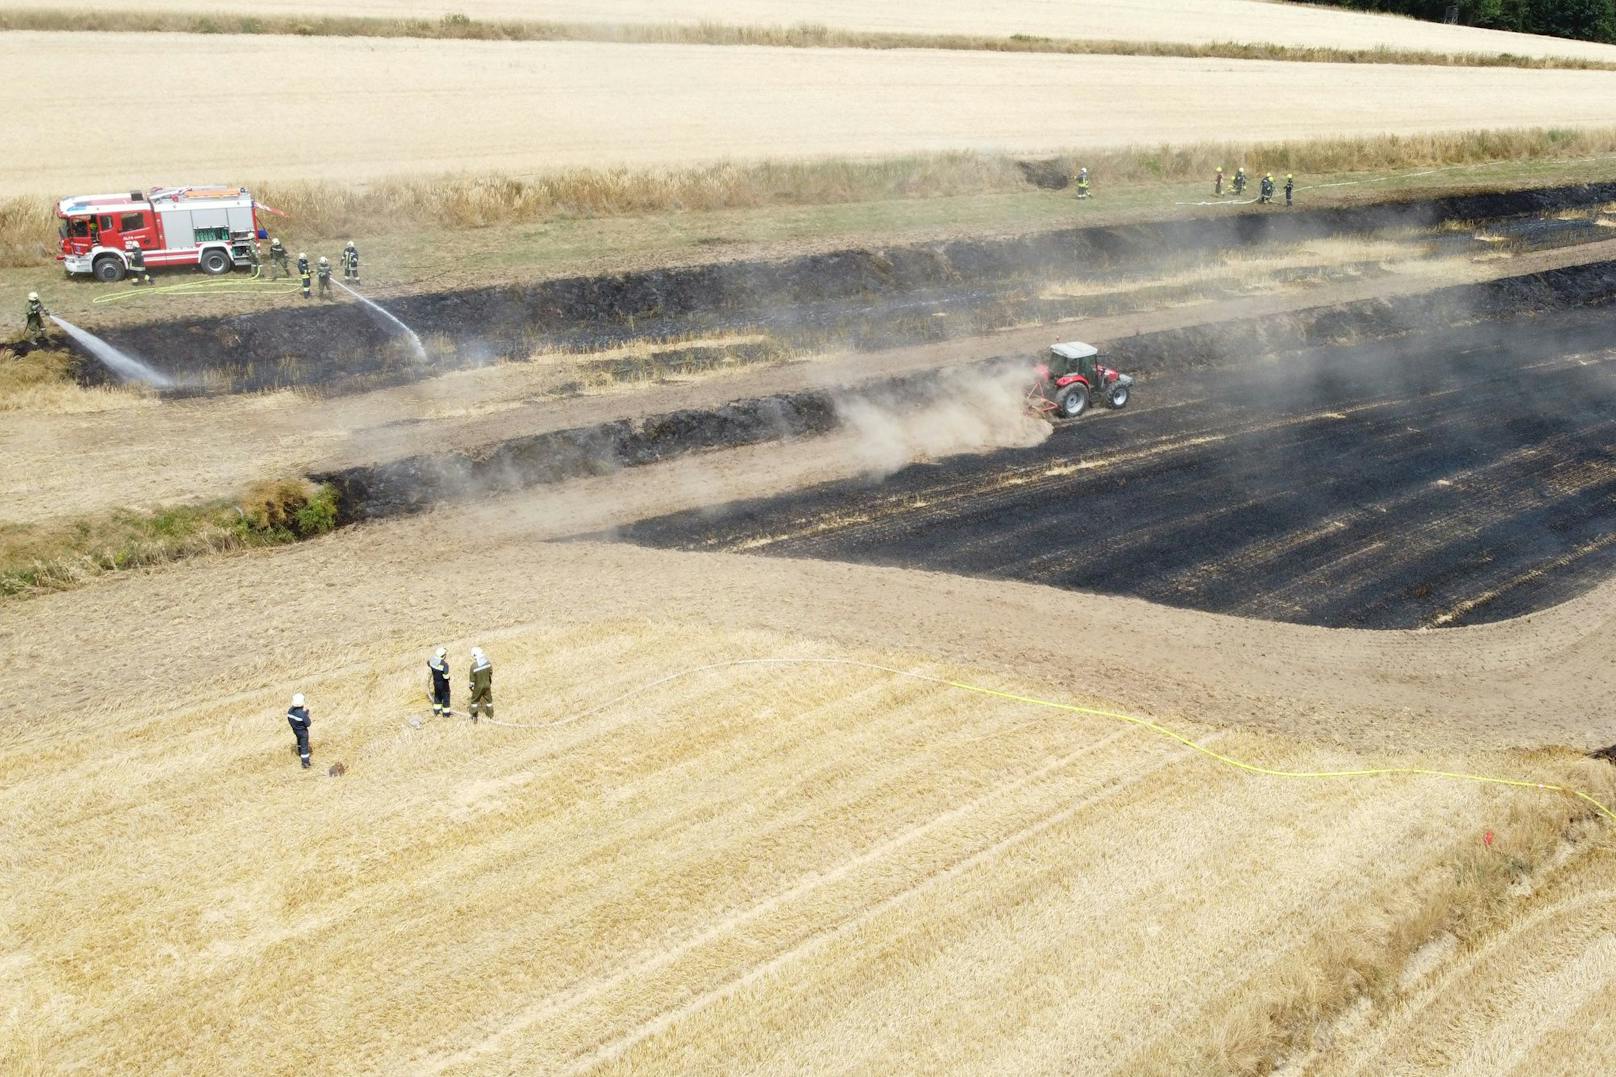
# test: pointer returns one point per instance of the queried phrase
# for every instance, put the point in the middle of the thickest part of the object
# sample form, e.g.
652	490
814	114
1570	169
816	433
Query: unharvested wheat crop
1187	21
331	108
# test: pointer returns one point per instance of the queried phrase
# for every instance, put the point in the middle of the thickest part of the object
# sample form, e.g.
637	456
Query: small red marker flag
1487	839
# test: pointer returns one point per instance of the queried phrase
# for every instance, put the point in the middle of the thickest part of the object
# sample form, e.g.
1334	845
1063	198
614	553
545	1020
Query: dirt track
336	108
1193	21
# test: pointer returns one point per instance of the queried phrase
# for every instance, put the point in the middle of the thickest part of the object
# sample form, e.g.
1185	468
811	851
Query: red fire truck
209	227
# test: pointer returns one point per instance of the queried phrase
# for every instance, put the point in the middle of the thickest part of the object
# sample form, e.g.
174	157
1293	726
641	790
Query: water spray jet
415	341
119	362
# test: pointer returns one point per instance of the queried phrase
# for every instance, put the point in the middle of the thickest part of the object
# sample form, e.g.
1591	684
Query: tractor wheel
1118	397
109	268
217	262
1072	401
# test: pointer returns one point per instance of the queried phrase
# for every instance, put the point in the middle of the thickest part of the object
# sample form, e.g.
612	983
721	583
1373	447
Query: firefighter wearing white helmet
350	263
277	260
323	270
36	319
437	674
303	271
482	684
297	716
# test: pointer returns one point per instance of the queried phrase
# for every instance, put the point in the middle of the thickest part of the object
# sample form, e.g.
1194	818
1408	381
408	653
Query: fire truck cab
209	227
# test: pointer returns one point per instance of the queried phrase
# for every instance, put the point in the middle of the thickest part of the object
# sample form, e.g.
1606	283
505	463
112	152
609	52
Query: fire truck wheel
216	262
109	268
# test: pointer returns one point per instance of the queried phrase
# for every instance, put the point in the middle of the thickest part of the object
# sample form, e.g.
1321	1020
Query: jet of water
119	362
415	341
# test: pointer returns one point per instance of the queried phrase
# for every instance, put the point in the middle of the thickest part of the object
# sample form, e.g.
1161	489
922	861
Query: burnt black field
1449	477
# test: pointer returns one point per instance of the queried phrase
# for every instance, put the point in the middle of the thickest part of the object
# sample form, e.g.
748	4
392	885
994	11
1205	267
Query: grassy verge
57	557
1137	180
458	27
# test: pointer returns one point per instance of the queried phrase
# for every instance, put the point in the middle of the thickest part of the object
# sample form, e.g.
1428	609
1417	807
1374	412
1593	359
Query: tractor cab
1071	377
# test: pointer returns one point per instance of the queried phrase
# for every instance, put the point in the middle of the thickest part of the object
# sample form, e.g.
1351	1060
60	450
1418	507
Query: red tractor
1071	378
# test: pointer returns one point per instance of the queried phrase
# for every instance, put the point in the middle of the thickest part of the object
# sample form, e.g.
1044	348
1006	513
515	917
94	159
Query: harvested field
1187	21
567	104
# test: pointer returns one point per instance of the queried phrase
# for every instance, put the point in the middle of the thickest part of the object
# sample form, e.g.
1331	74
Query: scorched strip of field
1443	479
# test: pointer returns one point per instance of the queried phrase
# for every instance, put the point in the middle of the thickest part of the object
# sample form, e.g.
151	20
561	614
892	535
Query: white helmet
323	260
350	245
477	653
302	254
440	652
297	700
33	297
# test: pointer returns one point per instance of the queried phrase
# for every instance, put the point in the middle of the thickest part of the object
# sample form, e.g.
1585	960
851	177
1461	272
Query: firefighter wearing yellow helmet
36	320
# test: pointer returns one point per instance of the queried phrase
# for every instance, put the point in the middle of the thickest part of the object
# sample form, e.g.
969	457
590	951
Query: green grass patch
36	558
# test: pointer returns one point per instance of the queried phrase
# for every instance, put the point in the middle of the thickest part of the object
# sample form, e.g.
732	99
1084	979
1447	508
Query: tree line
1589	20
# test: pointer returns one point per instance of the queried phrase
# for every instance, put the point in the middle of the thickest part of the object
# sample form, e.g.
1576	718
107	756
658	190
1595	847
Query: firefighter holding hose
36	320
350	264
138	273
277	260
323	270
482	684
303	272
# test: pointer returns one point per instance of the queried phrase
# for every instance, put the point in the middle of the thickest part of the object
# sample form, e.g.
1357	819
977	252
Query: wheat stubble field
324	107
732	818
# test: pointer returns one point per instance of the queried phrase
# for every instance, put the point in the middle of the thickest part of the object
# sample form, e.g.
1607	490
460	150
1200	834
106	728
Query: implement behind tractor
1071	378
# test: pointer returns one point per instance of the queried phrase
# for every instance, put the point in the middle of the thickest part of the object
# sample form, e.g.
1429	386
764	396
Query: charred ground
1443	478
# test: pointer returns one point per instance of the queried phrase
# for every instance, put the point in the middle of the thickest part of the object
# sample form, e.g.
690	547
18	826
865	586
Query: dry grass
459	27
325	210
41	383
759	870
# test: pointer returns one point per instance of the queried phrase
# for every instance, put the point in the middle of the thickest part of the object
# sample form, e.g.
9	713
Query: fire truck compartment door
177	230
210	224
241	218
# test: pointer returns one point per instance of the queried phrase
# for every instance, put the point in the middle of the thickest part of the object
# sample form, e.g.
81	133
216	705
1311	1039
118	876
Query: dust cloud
965	411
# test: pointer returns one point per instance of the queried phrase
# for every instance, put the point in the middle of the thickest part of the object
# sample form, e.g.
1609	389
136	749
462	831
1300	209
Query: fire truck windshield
75	226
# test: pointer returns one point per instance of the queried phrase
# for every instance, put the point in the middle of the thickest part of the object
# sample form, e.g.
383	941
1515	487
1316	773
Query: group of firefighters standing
1265	189
480	685
279	267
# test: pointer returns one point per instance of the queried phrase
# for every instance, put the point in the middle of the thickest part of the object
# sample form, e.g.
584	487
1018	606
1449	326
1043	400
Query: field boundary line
1095	712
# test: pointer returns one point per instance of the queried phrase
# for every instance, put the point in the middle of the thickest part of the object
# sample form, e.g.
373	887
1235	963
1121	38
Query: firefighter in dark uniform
1240	181
1290	190
1267	189
303	272
138	273
437	668
1217	184
350	263
482	684
1082	183
323	271
298	718
36	320
277	261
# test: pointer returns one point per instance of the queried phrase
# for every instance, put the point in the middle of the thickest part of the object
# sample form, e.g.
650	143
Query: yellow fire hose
253	285
1095	712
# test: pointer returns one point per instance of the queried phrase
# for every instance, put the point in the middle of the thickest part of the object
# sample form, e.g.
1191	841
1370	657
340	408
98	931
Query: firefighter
323	271
1266	190
1082	183
1290	190
482	684
297	716
36	320
277	260
437	668
1217	184
303	271
1240	181
350	264
138	273
255	258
